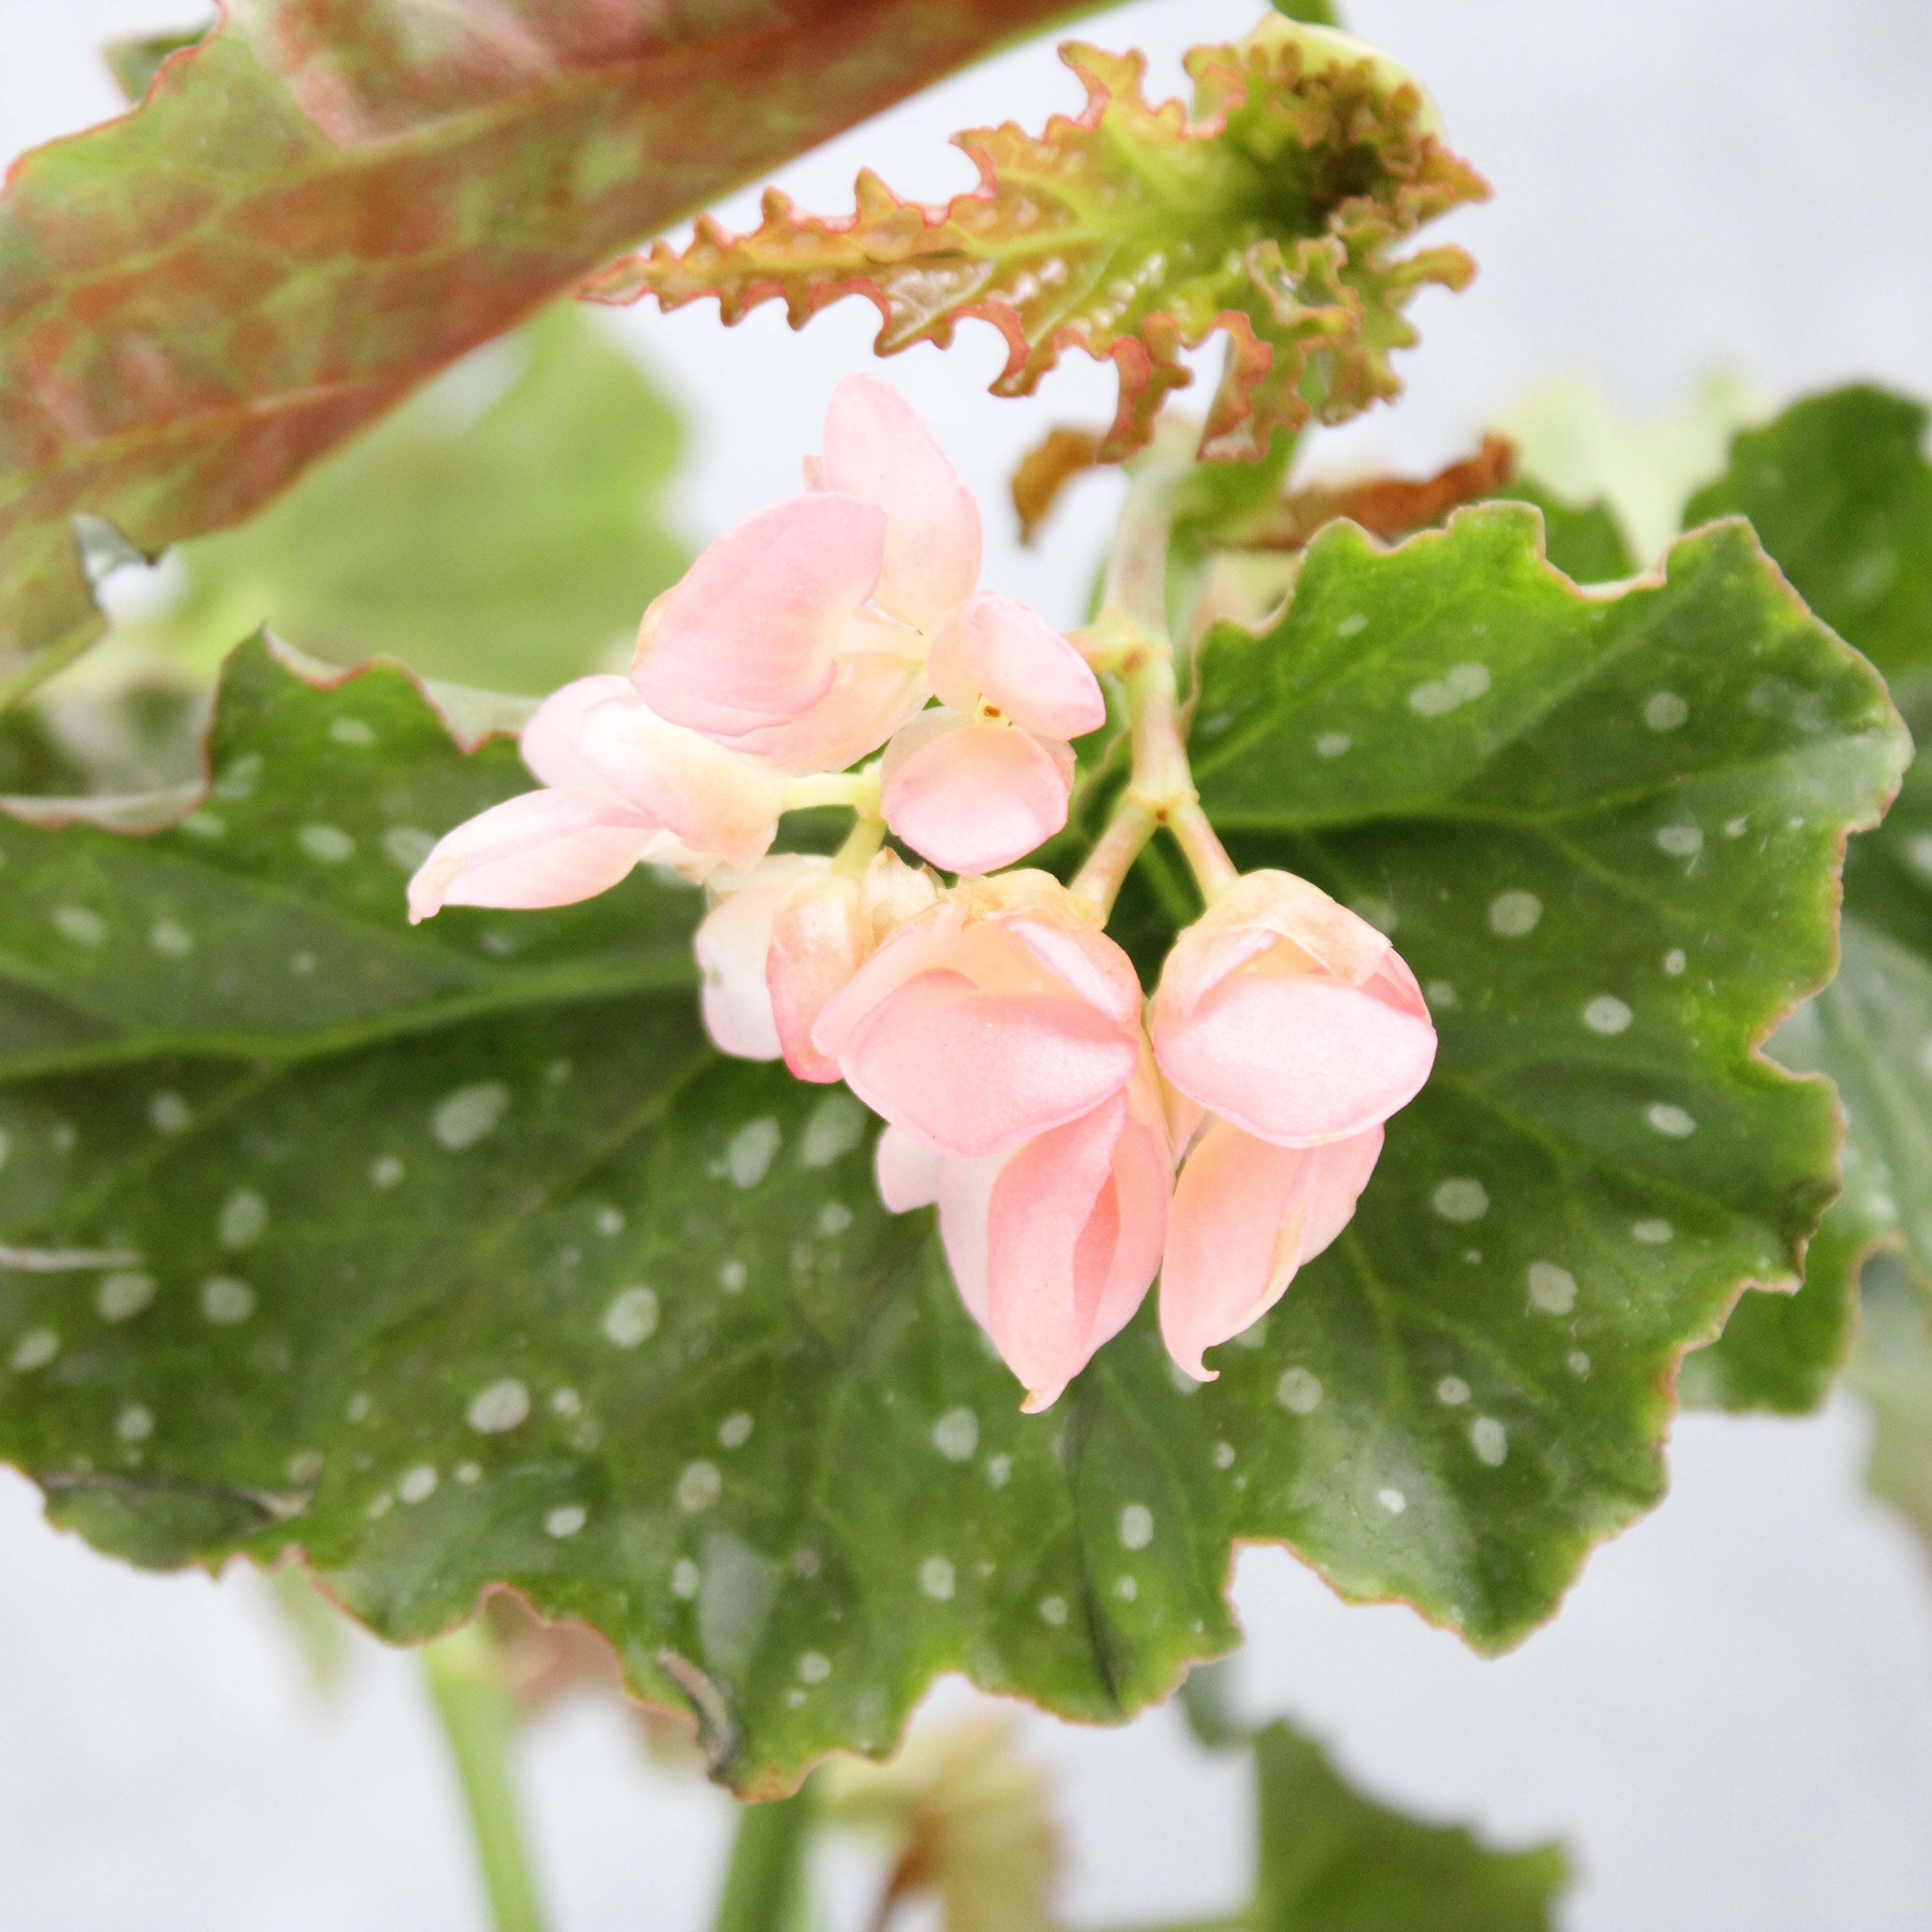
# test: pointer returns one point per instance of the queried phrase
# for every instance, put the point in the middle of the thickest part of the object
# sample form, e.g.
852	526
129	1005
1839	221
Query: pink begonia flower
998	1015
984	779
814	631
1246	1214
1052	1244
620	787
1288	1016
801	633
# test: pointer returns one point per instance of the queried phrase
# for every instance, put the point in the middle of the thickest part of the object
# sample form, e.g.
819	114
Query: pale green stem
859	790
479	1724
862	843
1130	639
765	1879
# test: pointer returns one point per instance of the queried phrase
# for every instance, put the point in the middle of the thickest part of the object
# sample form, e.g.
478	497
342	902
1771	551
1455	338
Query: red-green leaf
327	200
1133	232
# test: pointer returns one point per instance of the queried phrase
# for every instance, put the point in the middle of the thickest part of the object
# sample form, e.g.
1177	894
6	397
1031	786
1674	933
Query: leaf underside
397	183
462	1259
1134	233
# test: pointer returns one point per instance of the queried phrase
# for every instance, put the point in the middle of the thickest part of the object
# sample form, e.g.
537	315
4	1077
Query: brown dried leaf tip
1134	233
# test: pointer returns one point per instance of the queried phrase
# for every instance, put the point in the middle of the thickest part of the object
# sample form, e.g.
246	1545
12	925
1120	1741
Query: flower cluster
1029	1088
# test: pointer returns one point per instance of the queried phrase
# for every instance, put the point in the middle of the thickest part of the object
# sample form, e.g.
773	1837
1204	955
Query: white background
1731	1722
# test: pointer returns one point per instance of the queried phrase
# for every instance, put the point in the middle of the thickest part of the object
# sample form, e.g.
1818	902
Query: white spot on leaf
956	1435
328	843
699	1487
77	923
501	1406
566	1521
1463	685
837	1126
351	731
684	1578
1393	1501
814	1668
1452	1391
386	1172
1462	1199
1652	1234
1053	1610
1552	1289
34	1350
122	1296
1332	744
632	1317
1606	1014
752	1150
1513	914
464	1117
171	940
134	1423
1137	1526
1490	1440
226	1301
1675	962
418	1485
1681	841
936	1579
1299	1391
169	1113
1666	711
734	1432
245	1215
1671	1120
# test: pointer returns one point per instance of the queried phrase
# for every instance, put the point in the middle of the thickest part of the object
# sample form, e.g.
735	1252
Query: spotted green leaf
453	1255
1605	831
1839	489
399	181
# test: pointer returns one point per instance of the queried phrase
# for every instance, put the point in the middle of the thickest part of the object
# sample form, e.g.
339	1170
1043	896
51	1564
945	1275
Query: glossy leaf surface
453	1255
1133	232
399	181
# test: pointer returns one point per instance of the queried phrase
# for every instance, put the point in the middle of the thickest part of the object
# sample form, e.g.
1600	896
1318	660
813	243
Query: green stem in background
479	1724
1312	13
765	1879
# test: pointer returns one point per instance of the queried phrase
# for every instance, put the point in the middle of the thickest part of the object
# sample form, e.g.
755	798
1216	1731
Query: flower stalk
1132	639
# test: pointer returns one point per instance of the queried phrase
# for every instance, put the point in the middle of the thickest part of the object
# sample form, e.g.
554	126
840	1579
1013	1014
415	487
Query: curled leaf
1135	232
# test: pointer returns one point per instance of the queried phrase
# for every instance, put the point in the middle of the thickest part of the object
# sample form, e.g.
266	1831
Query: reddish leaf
1133	232
327	200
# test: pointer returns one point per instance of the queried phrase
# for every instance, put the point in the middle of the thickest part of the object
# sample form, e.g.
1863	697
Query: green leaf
1605	832
1315	12
134	63
1584	541
1334	1861
1134	233
1840	492
463	1260
1839	489
505	529
397	183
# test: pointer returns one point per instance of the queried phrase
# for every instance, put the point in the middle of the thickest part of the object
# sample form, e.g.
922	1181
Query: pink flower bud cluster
1032	1092
1029	1089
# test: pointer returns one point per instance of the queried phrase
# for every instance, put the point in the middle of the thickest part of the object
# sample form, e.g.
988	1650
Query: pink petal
994	649
818	941
1296	1060
966	1197
731	944
747	638
874	689
1053	1224
970	1072
1246	1215
1089	962
976	797
545	848
715	799
878	449
548	742
909	1173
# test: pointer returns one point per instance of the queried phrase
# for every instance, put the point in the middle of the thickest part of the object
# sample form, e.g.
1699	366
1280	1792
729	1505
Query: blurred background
1702	210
